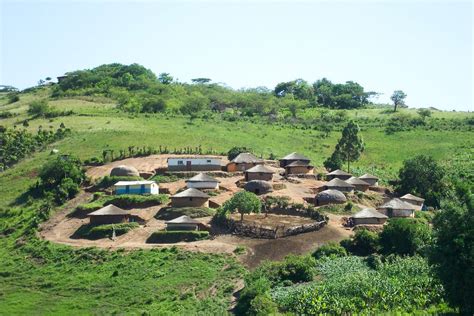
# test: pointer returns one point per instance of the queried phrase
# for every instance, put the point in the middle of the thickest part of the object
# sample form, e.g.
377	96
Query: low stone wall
280	231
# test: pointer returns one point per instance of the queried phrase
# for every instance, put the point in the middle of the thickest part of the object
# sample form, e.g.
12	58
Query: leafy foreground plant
349	285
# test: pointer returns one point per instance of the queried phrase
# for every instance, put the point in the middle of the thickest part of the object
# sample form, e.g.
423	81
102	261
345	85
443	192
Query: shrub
330	249
102	231
405	236
174	236
193	212
426	216
363	243
13	97
132	200
262	305
253	288
39	108
235	151
294	269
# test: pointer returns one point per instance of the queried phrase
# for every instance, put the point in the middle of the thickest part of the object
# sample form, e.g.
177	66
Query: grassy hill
41	278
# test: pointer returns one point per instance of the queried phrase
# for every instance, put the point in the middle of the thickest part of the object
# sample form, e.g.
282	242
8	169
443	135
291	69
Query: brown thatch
191	193
330	197
124	171
258	187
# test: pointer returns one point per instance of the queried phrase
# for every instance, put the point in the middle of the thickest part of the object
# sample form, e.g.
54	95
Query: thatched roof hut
202	181
330	197
360	185
338	184
258	187
299	167
370	179
259	172
397	208
369	216
109	214
242	162
124	171
183	223
190	198
292	158
414	200
339	174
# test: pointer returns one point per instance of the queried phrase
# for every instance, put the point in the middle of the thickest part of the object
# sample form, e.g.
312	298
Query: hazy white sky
424	48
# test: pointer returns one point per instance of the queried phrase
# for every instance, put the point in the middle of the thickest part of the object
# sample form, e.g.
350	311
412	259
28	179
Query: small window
208	161
190	199
180	162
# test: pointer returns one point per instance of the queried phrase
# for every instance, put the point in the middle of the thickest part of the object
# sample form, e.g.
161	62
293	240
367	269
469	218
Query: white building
194	163
136	187
202	181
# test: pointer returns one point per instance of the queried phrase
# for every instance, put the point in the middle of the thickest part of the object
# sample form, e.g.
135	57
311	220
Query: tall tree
351	145
453	250
422	175
398	98
165	78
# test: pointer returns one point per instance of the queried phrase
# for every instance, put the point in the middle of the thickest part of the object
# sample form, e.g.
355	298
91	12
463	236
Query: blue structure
136	187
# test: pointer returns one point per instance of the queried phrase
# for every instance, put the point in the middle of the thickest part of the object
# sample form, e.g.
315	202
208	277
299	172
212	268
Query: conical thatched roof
369	213
412	197
398	204
338	172
124	171
191	192
246	158
368	176
295	156
260	169
262	186
299	163
356	181
183	220
109	210
331	196
202	177
336	182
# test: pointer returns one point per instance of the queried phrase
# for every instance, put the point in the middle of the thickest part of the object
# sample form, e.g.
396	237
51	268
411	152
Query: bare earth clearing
61	227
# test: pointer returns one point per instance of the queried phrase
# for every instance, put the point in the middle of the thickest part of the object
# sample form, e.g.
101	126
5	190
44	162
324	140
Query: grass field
40	278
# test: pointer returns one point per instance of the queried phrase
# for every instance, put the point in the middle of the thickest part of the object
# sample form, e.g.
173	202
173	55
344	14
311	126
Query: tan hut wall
258	176
369	221
361	187
108	219
189	202
299	170
234	167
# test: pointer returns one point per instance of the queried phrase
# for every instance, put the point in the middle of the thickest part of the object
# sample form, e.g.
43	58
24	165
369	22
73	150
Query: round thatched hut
124	171
258	187
330	197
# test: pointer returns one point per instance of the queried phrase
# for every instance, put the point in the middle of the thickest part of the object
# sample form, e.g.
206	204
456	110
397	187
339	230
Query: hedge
102	231
173	236
132	200
169	213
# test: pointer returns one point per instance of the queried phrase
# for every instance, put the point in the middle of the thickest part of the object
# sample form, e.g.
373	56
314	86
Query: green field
41	278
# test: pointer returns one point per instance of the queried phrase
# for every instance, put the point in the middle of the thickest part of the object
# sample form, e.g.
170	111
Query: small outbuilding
109	214
258	187
259	172
369	216
124	171
190	198
243	161
293	157
136	187
370	179
360	185
338	184
202	181
194	163
330	197
338	174
397	208
298	167
183	223
414	200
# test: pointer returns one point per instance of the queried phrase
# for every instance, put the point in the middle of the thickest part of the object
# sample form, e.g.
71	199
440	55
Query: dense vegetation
104	231
173	236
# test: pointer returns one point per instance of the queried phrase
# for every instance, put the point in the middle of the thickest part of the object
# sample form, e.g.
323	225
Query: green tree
453	249
299	88
349	147
423	176
235	151
363	243
200	80
165	78
405	236
398	98
243	202
331	249
424	113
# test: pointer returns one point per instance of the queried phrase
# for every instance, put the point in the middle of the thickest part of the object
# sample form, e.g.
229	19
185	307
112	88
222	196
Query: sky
424	48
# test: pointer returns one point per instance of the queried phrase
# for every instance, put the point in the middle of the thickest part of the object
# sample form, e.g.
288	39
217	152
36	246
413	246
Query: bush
405	236
102	231
235	151
330	249
253	288
363	243
13	97
132	200
39	108
174	236
426	216
169	213
262	305
294	269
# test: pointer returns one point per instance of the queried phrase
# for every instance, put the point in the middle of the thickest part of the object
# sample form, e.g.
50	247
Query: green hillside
38	277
